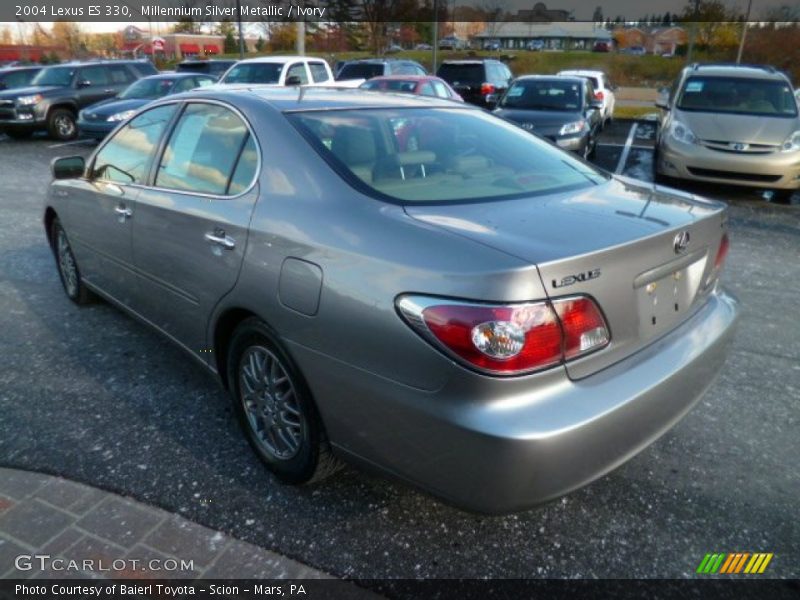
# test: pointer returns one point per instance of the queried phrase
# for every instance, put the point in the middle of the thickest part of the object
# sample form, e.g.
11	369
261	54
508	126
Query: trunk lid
615	242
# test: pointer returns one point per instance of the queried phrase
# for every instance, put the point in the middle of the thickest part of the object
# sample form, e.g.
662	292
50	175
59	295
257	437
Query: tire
782	196
18	134
68	270
274	407
61	124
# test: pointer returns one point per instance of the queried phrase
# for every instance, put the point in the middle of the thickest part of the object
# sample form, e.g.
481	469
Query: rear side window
441	90
127	156
245	168
318	72
203	150
95	75
120	74
145	68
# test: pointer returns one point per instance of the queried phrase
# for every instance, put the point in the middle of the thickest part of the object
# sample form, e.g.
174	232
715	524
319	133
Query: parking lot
93	395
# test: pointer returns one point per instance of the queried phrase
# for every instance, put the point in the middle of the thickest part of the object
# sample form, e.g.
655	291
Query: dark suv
378	67
57	93
479	81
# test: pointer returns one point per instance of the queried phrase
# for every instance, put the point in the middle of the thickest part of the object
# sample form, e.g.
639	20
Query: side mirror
662	103
67	167
596	104
293	80
492	100
84	83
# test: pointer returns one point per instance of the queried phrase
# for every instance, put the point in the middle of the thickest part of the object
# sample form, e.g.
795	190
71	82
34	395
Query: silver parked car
411	285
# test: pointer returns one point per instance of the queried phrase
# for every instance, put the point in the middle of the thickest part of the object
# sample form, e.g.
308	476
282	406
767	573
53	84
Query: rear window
440	155
739	96
539	94
194	67
462	73
360	71
254	73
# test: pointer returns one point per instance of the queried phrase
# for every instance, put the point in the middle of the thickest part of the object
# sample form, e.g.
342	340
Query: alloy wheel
269	399
66	264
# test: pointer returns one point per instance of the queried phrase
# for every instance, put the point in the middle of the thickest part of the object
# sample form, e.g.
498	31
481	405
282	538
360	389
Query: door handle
219	238
123	212
109	91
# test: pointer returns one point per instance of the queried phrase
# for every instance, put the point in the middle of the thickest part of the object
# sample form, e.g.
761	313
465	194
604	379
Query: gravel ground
95	396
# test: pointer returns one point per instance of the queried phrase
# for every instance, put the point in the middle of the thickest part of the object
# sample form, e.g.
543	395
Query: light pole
744	32
239	21
435	32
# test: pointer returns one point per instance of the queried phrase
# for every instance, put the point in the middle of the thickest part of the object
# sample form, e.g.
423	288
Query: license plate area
665	294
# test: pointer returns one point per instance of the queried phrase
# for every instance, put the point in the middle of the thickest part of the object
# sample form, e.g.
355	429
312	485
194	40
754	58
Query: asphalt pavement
91	394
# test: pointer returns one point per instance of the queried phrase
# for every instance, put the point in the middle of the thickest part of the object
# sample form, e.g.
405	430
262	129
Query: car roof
404	77
732	70
93	63
473	61
208	60
279	59
5	70
573	78
177	75
582	72
327	98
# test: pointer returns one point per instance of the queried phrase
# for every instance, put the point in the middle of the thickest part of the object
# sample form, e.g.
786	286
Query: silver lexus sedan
410	285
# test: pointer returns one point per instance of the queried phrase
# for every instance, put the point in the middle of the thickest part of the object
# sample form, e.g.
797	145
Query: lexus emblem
681	242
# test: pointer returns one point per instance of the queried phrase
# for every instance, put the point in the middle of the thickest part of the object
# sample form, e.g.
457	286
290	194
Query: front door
191	226
102	208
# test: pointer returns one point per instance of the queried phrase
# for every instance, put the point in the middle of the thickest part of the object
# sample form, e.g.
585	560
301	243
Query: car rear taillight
722	252
509	339
487	88
598	95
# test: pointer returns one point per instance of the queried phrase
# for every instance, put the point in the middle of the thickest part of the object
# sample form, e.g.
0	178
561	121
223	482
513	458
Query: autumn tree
69	35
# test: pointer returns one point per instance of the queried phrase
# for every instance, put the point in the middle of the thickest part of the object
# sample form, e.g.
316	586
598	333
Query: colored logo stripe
734	562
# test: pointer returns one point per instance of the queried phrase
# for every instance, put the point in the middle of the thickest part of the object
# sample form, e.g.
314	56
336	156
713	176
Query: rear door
102	208
191	225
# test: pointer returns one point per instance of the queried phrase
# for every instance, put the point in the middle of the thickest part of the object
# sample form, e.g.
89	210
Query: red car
420	85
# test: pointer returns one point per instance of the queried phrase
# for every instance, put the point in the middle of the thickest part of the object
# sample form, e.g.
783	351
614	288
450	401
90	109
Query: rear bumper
774	171
499	445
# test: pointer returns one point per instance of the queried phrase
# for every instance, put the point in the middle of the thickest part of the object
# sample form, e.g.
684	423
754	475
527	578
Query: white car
603	90
277	71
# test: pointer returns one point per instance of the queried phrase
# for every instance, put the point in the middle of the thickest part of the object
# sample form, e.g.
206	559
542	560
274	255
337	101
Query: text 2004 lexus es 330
408	284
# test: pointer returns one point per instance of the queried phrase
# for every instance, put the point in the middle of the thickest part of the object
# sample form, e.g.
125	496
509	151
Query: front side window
737	95
127	156
203	150
440	154
254	73
543	94
298	70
